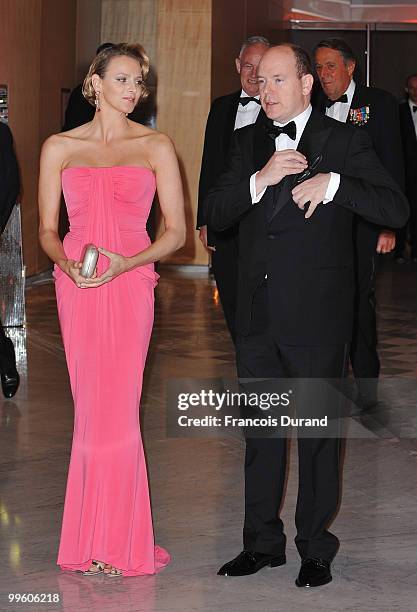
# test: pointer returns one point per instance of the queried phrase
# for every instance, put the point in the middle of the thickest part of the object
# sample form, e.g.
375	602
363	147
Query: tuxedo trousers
6	352
363	351
225	266
260	355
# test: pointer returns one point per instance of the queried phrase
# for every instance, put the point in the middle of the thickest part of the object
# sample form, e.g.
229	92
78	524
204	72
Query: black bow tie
275	130
330	103
246	99
414	108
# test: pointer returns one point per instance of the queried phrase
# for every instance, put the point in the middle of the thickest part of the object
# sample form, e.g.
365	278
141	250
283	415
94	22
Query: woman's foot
96	567
111	571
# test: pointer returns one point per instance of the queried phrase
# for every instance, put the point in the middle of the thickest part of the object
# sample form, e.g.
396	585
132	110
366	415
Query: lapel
230	119
312	143
315	136
263	148
263	145
319	102
358	97
411	129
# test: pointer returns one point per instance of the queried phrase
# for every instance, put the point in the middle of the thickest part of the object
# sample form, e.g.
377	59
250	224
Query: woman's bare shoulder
157	146
63	139
62	144
160	143
152	136
53	146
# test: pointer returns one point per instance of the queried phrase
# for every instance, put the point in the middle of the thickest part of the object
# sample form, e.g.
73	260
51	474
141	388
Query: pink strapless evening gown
106	333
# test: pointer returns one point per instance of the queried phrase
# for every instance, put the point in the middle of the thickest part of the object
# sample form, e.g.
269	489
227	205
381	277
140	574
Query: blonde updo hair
101	61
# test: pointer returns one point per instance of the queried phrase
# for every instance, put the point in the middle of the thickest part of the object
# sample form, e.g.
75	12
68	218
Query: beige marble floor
196	484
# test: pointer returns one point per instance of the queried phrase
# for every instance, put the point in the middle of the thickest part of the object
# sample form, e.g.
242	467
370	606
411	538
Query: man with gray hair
227	114
374	111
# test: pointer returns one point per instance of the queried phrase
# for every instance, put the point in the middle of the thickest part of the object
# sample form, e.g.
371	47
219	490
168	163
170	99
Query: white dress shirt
282	142
247	114
340	110
413	114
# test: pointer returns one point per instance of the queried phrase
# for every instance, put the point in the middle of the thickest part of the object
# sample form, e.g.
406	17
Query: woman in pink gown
110	169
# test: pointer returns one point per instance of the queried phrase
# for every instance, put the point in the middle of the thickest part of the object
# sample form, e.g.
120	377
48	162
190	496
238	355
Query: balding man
295	289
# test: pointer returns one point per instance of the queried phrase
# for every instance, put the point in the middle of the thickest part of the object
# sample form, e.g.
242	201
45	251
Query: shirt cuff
332	187
252	185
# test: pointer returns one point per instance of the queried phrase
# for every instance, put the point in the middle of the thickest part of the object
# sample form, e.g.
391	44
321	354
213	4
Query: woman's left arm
164	161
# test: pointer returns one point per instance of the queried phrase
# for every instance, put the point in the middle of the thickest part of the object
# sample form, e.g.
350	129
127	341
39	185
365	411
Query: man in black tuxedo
376	112
408	121
9	190
296	288
227	114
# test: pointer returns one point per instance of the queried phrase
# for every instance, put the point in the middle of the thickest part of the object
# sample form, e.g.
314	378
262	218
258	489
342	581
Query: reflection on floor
197	483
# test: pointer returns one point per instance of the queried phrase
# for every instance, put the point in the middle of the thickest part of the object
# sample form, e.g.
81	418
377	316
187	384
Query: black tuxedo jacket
383	127
9	175
309	262
219	131
409	140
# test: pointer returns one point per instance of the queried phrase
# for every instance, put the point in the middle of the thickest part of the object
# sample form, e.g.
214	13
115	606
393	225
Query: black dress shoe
366	403
10	377
314	573
10	384
248	562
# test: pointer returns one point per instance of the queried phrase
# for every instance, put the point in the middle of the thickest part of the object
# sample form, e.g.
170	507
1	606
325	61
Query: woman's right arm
49	196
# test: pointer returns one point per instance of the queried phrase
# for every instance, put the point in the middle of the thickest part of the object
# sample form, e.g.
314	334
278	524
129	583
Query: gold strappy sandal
113	573
99	565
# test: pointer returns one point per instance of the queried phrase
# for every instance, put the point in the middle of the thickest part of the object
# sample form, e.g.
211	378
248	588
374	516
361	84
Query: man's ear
307	81
351	65
237	64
